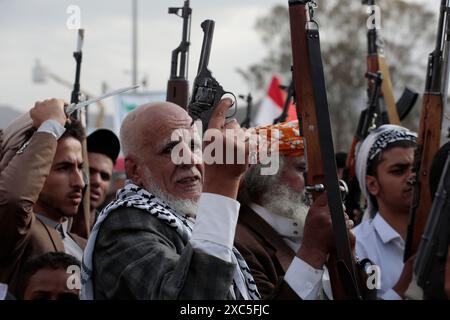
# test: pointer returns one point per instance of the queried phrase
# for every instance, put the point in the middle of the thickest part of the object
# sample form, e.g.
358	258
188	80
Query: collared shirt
70	246
379	242
301	277
214	232
289	229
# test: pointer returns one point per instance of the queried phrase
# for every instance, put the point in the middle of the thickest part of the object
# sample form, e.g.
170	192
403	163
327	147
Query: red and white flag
272	105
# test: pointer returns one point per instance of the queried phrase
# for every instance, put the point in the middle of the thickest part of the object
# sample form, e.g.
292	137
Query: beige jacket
23	171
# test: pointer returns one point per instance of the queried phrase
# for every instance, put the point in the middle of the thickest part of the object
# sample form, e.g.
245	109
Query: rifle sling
343	248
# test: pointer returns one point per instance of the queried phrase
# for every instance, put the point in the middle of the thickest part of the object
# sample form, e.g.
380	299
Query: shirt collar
285	227
384	230
61	227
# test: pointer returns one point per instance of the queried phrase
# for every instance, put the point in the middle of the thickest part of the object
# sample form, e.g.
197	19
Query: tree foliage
408	30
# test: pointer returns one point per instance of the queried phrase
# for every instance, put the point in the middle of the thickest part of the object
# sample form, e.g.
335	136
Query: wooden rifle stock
376	62
350	162
313	114
429	137
428	144
305	95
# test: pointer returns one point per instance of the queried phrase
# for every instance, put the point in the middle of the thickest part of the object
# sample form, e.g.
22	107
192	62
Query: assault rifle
82	222
433	104
314	119
246	123
429	266
392	113
78	55
376	62
287	102
178	86
369	119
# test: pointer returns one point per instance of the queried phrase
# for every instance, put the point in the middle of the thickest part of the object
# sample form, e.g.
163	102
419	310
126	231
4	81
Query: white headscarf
370	147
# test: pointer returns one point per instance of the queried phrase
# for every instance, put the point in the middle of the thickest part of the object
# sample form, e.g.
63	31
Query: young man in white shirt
384	164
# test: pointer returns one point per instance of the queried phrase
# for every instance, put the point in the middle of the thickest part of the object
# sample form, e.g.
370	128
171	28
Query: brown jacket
21	179
266	254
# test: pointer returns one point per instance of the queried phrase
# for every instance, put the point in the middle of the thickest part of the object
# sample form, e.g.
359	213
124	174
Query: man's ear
133	170
372	185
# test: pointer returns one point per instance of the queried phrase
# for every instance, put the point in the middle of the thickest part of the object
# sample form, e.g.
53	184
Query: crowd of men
189	229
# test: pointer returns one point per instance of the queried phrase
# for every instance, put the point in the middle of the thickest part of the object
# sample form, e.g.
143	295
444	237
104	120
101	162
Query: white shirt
301	277
379	242
53	127
70	246
214	232
289	229
215	225
3	290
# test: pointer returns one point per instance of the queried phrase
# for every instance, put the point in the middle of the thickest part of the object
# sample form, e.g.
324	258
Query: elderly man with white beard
169	232
285	248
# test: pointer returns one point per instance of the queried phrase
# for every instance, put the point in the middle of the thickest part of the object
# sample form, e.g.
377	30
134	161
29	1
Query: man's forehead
178	133
69	149
171	123
397	154
96	157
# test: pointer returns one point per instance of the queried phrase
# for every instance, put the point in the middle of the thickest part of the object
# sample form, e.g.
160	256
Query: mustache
75	192
192	172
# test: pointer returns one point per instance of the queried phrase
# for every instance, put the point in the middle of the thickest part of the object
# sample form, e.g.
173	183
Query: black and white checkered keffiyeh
387	137
370	147
133	196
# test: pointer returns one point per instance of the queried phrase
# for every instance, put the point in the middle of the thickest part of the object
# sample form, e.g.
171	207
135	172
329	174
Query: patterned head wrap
377	141
286	135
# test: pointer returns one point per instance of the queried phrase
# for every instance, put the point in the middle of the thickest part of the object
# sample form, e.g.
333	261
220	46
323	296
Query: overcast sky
32	30
37	29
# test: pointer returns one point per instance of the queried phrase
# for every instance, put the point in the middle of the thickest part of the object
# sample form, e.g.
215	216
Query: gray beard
186	207
286	203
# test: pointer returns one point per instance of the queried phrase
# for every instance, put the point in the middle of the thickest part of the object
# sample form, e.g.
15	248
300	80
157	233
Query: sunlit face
179	180
50	284
391	186
62	191
100	174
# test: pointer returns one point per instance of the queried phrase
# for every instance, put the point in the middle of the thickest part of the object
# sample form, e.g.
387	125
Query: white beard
284	202
187	207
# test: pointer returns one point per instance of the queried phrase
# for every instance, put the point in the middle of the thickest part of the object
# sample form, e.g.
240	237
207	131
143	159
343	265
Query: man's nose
411	178
77	179
95	178
188	157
